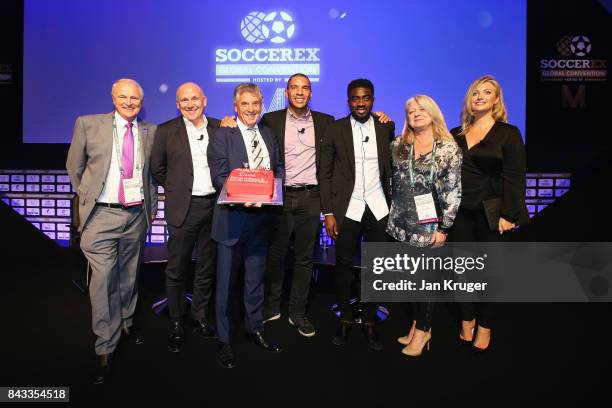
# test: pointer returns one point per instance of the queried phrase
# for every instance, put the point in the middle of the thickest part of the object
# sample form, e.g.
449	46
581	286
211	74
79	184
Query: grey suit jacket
89	159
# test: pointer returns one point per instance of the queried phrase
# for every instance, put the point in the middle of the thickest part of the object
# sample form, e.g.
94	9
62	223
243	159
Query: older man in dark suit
179	163
242	232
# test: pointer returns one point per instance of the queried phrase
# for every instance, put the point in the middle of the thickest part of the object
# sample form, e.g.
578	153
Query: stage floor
323	256
541	353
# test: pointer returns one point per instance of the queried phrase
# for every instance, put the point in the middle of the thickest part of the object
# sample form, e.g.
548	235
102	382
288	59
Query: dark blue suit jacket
227	151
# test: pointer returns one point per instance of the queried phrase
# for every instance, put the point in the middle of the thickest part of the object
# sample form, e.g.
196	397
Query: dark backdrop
563	137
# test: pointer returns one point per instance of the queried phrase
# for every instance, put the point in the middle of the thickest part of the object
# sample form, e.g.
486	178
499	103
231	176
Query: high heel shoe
405	340
478	350
465	342
416	352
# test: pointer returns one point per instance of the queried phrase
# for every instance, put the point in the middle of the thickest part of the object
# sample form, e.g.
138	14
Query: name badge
426	208
131	191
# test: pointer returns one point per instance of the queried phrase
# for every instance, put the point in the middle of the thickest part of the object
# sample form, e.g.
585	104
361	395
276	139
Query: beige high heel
405	340
416	352
465	341
478	349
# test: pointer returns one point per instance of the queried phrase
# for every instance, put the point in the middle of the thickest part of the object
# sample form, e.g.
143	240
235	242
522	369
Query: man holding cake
242	231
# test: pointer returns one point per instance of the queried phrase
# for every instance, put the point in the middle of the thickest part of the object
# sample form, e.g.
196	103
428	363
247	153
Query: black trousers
472	226
301	216
422	312
347	243
196	227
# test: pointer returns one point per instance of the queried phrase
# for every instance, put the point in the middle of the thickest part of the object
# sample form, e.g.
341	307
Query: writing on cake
250	185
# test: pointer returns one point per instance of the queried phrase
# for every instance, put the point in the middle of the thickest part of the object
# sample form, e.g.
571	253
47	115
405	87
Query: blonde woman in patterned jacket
425	159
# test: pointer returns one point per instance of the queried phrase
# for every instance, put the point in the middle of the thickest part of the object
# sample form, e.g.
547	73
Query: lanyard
432	165
118	152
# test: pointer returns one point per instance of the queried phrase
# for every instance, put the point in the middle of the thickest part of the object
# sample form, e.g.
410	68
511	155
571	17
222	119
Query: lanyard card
131	191
426	208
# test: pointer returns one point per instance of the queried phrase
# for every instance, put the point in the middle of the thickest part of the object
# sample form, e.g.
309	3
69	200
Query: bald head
191	101
189	86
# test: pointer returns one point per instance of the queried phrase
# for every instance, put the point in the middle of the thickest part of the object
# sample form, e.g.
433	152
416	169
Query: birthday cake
250	185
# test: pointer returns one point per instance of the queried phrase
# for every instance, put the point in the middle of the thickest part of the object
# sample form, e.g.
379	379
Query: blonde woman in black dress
493	167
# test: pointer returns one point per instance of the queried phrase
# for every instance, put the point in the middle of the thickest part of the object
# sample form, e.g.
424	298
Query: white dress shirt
367	189
110	192
202	183
247	136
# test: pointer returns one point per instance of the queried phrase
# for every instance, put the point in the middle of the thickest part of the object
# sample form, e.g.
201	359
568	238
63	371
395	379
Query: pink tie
127	160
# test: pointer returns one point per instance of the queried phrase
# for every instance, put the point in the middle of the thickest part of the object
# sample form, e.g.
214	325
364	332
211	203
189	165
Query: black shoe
103	370
371	335
132	335
175	339
226	356
305	328
342	331
203	328
259	338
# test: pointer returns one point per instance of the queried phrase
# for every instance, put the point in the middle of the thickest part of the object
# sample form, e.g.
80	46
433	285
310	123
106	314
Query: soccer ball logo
279	27
276	27
581	45
251	27
564	46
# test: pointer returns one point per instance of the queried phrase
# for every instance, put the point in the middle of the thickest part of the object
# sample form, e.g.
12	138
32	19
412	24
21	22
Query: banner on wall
571	63
267	57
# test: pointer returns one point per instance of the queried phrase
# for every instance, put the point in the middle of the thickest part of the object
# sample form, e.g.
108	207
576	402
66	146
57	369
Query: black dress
492	168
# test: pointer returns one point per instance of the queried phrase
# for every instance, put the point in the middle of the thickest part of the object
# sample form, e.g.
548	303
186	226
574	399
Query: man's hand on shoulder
228	121
382	117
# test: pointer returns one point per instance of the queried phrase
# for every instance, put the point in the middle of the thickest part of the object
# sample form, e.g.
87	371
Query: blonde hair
499	108
440	130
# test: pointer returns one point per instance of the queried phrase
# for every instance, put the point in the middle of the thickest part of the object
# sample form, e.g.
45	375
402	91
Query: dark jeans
471	226
347	243
196	227
300	216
